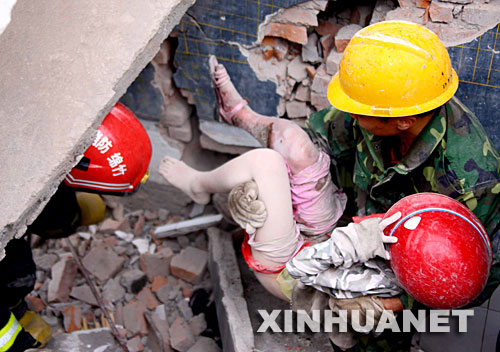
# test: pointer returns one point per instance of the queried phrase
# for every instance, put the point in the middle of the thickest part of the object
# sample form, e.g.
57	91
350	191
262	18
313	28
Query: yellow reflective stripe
9	333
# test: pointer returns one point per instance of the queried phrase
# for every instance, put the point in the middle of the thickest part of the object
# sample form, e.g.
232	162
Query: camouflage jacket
452	156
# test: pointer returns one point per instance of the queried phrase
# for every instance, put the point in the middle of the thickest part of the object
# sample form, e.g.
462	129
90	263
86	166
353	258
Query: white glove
388	239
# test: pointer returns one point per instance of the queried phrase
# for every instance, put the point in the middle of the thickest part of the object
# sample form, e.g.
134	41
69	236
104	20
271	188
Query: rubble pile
142	281
301	46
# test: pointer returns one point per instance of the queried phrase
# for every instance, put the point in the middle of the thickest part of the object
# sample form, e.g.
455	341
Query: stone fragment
333	62
296	69
148	298
462	2
320	101
157	264
63	275
109	225
292	32
45	261
185	310
163	214
181	337
178	111
311	72
158	282
160	320
382	7
362	15
310	50
482	15
406	3
72	318
84	294
135	344
208	143
205	344
441	12
320	82
133	317
102	262
118	212
167	292
198	324
344	35
133	280
295	109
303	93
190	264
127	237
182	133
297	15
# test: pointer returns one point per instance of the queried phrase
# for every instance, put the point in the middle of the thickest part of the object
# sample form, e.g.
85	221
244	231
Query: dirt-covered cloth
451	156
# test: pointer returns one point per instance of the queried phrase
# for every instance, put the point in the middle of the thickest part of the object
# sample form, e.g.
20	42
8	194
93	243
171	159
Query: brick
160	320
327	44
361	15
296	15
310	50
406	3
72	318
181	337
296	69
422	4
181	133
35	304
303	93
327	27
135	344
344	35
311	71
63	276
320	82
333	62
148	298
190	264
296	109
133	317
45	261
167	292
205	344
198	324
320	101
441	12
139	225
158	282
109	225
291	32
133	280
382	7
157	264
113	291
84	294
177	111
102	262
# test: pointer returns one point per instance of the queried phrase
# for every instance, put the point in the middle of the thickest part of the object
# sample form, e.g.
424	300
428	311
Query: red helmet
443	254
118	159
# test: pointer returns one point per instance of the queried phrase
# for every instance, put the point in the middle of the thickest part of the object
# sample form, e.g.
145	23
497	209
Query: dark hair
433	112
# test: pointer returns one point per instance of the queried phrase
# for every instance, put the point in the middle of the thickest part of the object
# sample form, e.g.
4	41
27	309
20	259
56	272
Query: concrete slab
491	339
453	341
64	65
232	313
85	340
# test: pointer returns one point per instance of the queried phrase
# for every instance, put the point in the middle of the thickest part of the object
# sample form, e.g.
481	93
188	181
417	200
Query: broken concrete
62	73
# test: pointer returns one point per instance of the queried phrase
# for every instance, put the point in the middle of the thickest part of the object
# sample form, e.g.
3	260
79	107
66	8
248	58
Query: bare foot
230	101
183	177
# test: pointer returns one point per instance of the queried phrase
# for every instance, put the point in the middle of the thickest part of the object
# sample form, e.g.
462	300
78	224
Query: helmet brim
341	101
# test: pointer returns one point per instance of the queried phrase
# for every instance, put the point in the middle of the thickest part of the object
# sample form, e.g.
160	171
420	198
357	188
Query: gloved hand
246	210
388	239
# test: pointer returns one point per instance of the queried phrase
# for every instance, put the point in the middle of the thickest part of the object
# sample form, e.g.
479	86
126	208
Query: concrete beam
64	64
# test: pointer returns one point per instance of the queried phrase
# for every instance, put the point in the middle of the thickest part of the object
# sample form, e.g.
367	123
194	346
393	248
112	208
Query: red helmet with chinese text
117	161
443	254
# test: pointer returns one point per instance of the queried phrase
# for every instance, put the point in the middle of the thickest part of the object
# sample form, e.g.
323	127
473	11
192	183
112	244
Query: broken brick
158	282
35	304
422	4
133	317
84	294
133	280
135	344
190	264
441	12
63	275
147	297
291	32
181	336
109	225
157	264
299	15
72	318
344	36
139	225
198	324
102	262
327	44
328	27
296	109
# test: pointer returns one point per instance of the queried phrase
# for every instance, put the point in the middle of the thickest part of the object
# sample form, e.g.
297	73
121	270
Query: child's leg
268	169
317	202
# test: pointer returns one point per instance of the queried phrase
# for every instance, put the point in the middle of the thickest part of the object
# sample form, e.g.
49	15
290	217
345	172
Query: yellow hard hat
393	68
